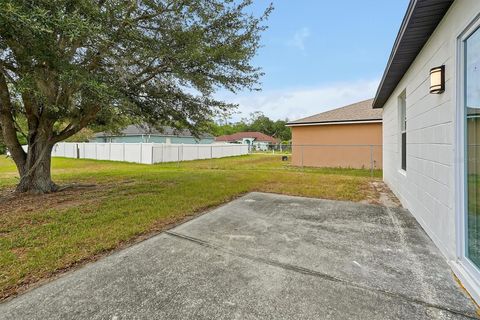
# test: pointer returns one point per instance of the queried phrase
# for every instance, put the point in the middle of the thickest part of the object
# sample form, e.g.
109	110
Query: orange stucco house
349	137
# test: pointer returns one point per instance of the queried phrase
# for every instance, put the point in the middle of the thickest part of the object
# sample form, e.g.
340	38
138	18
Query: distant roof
135	130
258	136
421	19
357	112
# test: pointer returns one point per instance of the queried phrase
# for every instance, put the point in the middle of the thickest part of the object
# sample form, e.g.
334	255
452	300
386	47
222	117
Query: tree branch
71	128
7	123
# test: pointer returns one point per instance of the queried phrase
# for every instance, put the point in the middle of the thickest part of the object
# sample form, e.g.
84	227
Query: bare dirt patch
380	194
12	203
68	196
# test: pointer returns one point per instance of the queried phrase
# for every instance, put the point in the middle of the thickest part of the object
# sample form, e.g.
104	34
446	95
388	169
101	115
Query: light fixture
437	80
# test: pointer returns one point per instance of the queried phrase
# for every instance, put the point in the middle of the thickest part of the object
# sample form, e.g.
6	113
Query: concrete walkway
264	256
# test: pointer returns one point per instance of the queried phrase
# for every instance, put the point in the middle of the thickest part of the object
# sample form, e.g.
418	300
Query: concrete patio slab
264	256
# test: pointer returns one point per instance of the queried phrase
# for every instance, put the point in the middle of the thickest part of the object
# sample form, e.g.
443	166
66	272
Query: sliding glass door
472	146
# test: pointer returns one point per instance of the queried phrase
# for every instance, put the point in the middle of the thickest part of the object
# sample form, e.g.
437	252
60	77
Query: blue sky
319	55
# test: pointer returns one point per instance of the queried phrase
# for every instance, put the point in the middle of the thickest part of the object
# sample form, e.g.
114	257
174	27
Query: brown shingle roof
360	111
258	136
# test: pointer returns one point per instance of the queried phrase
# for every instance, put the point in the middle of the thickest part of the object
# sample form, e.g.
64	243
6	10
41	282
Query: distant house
146	134
257	140
349	136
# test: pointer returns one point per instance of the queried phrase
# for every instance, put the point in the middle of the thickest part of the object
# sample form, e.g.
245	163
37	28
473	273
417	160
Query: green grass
40	235
473	221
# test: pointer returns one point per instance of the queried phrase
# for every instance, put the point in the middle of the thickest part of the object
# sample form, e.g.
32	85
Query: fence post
371	161
141	151
211	152
178	156
302	156
152	153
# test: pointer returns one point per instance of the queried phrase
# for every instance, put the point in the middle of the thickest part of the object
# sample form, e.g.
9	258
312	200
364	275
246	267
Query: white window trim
402	95
465	269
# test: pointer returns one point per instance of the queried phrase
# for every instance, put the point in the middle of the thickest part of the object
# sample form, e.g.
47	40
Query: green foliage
256	122
84	135
220	129
73	63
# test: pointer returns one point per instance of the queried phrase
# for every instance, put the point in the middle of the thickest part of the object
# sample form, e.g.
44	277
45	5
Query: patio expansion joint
318	274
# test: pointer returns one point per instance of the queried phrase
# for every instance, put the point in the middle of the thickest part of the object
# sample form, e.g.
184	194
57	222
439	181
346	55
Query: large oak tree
68	64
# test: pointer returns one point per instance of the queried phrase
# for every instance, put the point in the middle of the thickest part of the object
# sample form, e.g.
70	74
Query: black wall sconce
437	80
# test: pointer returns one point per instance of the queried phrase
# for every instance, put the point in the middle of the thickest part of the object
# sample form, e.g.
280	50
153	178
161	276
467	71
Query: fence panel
68	150
157	153
187	152
171	153
117	152
103	151
71	150
204	151
147	153
346	156
58	150
89	151
222	150
132	152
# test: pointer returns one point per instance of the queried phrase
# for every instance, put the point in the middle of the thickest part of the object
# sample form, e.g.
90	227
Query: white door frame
465	269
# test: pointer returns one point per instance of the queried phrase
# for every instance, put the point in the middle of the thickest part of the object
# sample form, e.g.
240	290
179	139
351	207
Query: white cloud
297	103
299	38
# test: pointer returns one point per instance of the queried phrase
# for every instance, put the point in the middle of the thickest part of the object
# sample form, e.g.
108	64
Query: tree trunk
35	176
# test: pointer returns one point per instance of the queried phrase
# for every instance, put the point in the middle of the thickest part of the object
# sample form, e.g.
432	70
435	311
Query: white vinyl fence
147	153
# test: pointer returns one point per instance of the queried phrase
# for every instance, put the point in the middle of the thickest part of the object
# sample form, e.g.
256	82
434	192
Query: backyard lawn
113	204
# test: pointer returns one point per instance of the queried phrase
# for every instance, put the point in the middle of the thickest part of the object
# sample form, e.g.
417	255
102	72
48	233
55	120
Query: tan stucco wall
313	145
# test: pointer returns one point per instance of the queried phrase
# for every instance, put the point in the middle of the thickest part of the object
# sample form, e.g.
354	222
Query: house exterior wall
337	145
428	187
261	145
154	139
254	144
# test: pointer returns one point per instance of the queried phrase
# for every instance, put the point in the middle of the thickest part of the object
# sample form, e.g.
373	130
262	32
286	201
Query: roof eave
311	123
403	26
385	90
